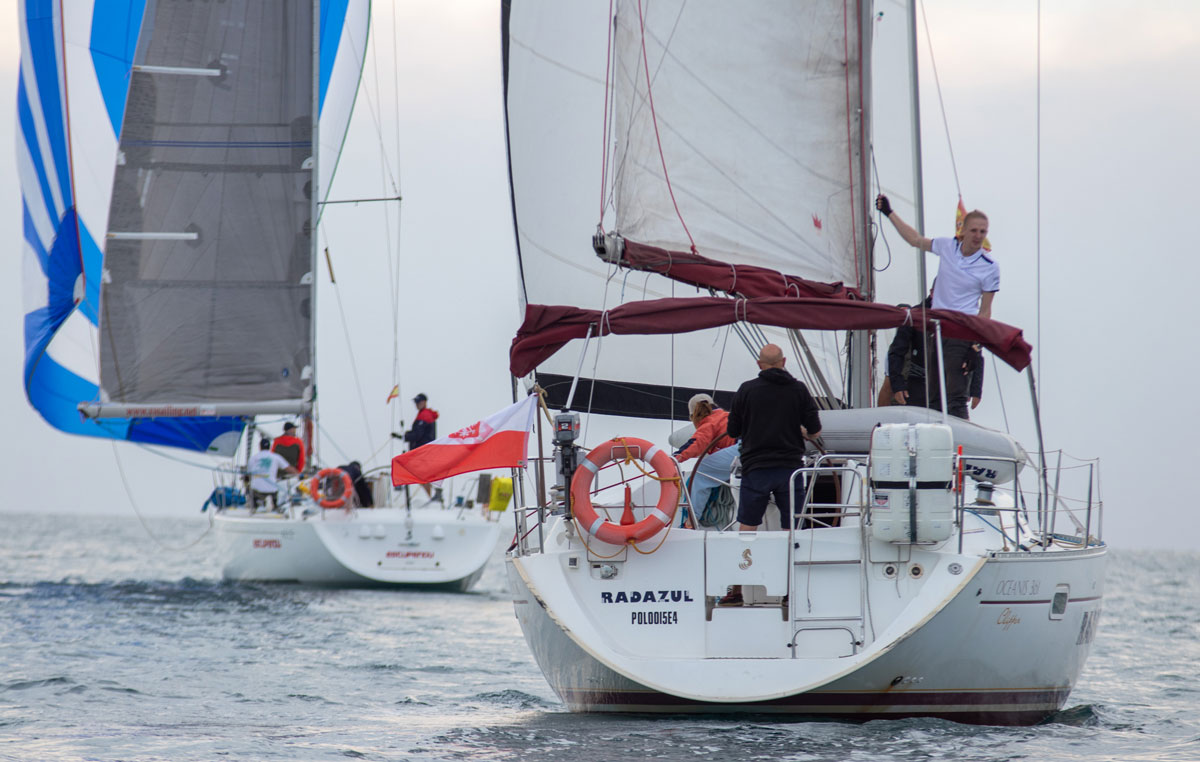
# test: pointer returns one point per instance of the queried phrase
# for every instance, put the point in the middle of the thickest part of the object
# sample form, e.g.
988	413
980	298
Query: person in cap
290	447
710	441
423	431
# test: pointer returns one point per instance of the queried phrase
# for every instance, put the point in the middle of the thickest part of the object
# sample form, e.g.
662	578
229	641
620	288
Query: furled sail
547	328
733	131
166	162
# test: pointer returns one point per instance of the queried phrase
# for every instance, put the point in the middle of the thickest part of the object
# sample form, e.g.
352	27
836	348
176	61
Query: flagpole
541	476
518	478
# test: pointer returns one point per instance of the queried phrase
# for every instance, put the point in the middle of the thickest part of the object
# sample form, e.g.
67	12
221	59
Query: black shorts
759	485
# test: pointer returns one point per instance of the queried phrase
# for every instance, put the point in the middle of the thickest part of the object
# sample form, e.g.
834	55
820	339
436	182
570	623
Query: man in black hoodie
772	414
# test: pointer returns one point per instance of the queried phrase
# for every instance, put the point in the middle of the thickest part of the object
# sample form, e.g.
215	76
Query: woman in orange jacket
718	448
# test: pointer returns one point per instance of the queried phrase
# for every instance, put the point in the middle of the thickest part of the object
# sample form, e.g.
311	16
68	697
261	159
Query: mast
915	109
310	392
861	374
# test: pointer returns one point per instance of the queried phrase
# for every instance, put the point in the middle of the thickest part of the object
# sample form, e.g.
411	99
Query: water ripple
110	649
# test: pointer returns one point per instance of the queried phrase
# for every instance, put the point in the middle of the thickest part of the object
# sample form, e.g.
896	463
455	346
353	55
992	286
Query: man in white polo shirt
967	281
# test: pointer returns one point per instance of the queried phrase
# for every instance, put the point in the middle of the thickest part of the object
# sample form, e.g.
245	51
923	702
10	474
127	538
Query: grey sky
1118	157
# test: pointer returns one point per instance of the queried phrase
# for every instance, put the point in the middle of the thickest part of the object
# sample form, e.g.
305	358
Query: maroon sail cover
738	280
548	327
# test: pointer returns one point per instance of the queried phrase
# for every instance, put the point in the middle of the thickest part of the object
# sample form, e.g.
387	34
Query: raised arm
906	231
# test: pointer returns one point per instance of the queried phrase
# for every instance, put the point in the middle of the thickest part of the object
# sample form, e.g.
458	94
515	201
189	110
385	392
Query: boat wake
1082	716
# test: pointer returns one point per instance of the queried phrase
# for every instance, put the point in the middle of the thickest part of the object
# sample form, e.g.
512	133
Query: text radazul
650	596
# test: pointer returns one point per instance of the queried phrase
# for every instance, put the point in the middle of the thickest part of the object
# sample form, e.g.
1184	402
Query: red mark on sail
816	222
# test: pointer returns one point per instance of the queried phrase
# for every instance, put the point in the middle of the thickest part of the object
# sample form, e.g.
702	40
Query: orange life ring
659	517
324	500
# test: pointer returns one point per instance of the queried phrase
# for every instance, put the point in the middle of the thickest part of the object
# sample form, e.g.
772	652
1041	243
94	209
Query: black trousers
956	353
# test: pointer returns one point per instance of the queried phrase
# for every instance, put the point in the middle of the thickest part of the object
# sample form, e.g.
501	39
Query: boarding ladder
826	602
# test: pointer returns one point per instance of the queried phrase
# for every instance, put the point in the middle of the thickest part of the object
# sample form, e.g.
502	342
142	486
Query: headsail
650	124
165	154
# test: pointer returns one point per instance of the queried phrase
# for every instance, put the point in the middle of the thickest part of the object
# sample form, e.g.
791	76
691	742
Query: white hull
432	546
968	637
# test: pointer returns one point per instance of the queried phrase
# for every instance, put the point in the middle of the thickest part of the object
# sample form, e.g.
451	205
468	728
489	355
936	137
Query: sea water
119	641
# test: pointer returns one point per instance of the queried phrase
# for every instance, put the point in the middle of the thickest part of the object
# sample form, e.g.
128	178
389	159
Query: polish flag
498	441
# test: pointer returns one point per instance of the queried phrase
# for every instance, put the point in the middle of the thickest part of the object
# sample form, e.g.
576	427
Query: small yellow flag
393	394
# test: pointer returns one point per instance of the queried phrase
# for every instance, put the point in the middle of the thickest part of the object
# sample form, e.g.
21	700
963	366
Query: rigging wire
1000	394
671	365
721	361
336	446
657	135
141	519
395	254
802	367
370	458
605	199
748	340
1038	194
941	103
389	183
953	164
1038	184
879	227
337	292
95	354
612	271
612	20
385	167
225	469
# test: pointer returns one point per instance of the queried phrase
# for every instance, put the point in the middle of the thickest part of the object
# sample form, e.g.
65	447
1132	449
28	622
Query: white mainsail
689	151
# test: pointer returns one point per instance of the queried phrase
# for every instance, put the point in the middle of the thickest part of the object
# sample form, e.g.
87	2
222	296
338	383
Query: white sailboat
659	150
174	159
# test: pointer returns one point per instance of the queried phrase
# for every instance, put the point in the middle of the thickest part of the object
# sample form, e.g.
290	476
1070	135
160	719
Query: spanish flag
959	215
393	394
